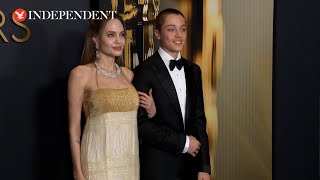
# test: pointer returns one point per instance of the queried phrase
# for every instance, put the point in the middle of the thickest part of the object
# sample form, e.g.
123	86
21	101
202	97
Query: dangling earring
97	51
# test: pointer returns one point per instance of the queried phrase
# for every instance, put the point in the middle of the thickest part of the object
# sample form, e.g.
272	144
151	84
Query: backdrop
33	78
33	104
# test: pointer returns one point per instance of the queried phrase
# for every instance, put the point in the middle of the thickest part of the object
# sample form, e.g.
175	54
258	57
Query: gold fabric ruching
109	145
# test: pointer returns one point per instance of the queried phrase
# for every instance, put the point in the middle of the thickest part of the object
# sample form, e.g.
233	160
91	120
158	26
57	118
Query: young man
174	143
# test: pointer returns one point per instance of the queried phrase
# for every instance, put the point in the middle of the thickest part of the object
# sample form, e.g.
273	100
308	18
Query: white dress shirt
179	81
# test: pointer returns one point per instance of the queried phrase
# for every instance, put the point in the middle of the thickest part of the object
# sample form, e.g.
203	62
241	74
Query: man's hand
147	102
194	146
203	176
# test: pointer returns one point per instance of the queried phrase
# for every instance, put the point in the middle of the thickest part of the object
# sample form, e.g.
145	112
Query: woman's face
112	39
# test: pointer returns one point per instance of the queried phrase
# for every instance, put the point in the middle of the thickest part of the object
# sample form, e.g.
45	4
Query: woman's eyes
112	35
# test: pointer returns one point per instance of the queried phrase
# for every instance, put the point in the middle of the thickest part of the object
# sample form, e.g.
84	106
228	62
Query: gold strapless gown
109	145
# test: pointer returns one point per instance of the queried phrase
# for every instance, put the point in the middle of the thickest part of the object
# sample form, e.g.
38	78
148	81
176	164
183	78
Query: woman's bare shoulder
82	72
127	72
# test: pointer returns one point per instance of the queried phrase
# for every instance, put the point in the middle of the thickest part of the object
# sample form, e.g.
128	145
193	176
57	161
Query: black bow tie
176	63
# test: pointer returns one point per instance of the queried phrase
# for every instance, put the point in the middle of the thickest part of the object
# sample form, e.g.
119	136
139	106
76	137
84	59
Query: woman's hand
78	176
148	103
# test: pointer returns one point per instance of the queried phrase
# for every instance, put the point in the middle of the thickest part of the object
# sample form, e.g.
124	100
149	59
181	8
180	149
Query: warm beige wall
245	92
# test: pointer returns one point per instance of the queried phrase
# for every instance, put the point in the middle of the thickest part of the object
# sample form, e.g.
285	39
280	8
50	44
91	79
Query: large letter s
24	27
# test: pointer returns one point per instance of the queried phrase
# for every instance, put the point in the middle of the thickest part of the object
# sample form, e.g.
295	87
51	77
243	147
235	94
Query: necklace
107	74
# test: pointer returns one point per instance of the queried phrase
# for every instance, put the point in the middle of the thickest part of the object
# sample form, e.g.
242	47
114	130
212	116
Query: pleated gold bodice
109	145
104	100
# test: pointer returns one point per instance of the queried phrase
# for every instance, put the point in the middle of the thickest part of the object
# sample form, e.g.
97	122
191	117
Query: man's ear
157	33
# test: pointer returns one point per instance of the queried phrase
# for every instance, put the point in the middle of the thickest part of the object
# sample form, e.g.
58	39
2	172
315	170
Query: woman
103	90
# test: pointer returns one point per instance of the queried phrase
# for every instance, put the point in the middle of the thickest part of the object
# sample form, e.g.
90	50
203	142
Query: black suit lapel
165	80
189	77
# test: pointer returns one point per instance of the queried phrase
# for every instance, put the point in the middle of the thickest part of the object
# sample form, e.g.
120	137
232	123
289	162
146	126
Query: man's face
172	34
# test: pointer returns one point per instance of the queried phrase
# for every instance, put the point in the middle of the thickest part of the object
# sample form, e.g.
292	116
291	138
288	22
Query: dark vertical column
196	27
296	89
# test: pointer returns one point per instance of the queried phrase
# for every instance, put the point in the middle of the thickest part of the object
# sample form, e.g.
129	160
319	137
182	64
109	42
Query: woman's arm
76	89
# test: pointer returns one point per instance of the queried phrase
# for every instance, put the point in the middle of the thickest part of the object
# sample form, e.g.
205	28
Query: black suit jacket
162	138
